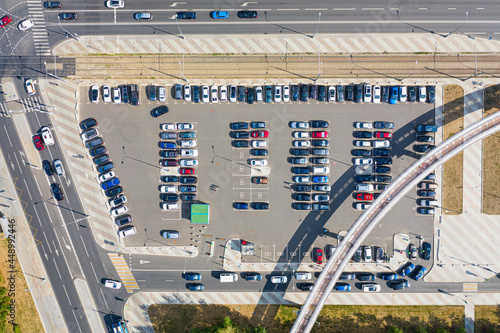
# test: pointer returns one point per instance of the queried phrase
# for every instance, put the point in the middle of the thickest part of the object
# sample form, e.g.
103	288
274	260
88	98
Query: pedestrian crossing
124	272
24	105
40	37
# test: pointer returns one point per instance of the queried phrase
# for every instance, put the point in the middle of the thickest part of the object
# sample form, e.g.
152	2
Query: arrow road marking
144	262
246	3
177	3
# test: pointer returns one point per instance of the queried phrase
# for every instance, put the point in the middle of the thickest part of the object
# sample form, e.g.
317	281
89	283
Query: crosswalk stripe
124	272
470	287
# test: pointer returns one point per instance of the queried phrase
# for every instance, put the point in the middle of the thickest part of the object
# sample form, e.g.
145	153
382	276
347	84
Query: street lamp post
317	28
36	284
76	221
177	22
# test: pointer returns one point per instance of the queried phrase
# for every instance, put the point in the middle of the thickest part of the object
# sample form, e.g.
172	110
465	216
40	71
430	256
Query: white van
170	206
228	277
364	187
302	276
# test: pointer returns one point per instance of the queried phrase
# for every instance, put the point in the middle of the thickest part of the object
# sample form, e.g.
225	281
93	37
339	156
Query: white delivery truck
228	277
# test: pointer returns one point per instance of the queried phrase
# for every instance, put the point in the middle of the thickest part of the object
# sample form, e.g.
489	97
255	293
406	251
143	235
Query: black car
424	193
67	16
321	93
295	93
196	94
301	206
340	93
381	152
250	95
169	197
381	187
112	192
382	169
363	276
300	170
319	124
241	94
239	125
313	91
187	188
47	167
98	151
431	94
301	196
364	178
363	135
269	94
349	92
161	110
383	124
306	286
259	205
125	95
320	143
299	152
422	148
425	138
358	98
258	124
101	159
241	135
357	256
383	178
52	4
304	92
188	180
258	152
168	153
56	191
88	123
301	188
189	197
426	251
152	93
360	152
412	94
400	284
385	94
382	161
240	143
169	179
247	14
186	15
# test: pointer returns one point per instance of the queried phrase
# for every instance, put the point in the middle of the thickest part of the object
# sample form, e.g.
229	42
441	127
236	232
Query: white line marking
316	8
36	181
102	294
287	9
94	272
344	8
66	294
422	9
84	246
20	167
452	9
7	134
47	242
393	8
372	8
480	8
40	221
27	189
77	322
57	268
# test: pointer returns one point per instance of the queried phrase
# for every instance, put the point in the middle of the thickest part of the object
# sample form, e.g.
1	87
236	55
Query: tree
394	329
421	330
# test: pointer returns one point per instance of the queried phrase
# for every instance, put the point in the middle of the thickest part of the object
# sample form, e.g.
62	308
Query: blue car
300	170
219	15
196	287
196	94
110	183
240	205
389	276
320	179
168	145
394	95
420	273
192	276
407	270
340	286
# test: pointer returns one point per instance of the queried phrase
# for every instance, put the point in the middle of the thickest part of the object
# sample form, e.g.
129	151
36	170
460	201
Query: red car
319	256
260	134
5	20
321	134
187	171
383	135
364	196
38	143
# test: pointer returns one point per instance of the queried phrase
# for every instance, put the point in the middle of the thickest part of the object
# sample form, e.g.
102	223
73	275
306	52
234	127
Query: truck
134	94
228	277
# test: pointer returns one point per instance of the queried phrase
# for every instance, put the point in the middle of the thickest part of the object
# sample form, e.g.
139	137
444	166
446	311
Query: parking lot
281	233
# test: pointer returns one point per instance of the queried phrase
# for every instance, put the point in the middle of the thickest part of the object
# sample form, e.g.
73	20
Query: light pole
45	63
76	221
177	22
36	284
317	28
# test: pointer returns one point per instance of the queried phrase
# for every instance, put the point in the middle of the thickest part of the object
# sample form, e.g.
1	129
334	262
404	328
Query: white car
120	210
106	94
362	143
303	276
320	170
299	124
112	284
205	94
169	189
30	87
277	94
258	94
368	93
371	287
129	231
168	127
232	97
47	136
300	134
363	161
368	254
223	93
258	162
321	197
89	134
115	3
362	206
363	125
376	94
26	24
188	163
162	94
189	152
117	96
286	93
170	206
188	143
278	279
381	144
427	203
119	200
187	93
94	91
301	143
58	167
185	126
364	187
301	179
331	94
214	90
259	143
402	94
422	94
106	176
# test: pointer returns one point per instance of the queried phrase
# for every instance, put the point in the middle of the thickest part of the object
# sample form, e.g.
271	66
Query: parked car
340	286
426	251
420	273
365	276
407	269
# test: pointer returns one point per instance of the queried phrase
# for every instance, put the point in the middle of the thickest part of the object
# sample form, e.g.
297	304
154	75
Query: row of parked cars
425	138
427	192
108	180
305	169
121	94
180	153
